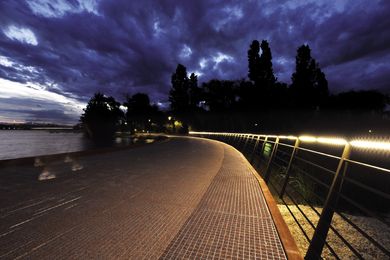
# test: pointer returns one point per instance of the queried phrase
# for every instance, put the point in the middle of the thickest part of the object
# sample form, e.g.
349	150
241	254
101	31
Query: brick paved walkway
186	198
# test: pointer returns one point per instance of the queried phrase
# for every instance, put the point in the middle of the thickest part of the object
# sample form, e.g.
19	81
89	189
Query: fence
333	193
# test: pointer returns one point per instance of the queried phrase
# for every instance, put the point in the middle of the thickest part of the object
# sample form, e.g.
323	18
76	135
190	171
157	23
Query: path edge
288	242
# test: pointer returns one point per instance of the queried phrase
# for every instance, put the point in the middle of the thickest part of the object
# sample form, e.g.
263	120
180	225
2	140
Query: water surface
26	143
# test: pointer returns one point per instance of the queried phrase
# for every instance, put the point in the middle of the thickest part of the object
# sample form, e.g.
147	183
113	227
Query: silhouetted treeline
103	116
260	103
263	104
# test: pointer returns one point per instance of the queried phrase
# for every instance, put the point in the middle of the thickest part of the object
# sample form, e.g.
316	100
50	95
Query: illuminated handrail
267	152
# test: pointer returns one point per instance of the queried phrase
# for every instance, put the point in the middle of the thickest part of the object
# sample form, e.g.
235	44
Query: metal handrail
332	194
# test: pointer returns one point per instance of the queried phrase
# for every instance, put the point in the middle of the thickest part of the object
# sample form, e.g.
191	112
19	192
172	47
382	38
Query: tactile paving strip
232	220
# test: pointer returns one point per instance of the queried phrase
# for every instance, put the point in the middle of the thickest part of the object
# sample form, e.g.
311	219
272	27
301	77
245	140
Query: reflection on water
28	143
25	143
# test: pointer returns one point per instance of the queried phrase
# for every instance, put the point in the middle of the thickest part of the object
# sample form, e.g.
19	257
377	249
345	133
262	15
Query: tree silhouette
266	74
219	95
138	111
101	116
254	62
194	93
309	86
368	100
179	93
261	73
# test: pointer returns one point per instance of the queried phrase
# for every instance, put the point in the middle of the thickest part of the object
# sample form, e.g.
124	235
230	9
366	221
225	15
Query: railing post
288	170
254	149
262	150
240	139
268	168
246	142
228	139
318	241
234	140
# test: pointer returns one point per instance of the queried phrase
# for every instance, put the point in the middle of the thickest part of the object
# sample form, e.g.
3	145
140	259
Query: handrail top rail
335	141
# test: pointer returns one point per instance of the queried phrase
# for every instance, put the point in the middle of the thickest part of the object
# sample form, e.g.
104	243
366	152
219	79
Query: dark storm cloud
121	46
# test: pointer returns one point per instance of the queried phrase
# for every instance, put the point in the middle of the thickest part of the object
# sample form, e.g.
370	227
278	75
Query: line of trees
244	105
308	90
260	103
103	116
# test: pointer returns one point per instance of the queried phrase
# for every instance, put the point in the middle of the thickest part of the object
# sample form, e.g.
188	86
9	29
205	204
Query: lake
26	143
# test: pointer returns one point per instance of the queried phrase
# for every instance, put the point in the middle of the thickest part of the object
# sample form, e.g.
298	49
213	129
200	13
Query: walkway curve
185	198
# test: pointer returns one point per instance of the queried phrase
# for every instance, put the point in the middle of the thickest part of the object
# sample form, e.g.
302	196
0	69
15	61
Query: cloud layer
75	48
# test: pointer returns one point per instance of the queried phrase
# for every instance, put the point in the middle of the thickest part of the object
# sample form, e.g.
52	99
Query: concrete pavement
185	198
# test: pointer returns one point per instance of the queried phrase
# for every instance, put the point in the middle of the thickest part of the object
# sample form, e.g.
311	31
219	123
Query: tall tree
194	92
184	94
309	85
254	62
266	74
179	93
101	116
140	113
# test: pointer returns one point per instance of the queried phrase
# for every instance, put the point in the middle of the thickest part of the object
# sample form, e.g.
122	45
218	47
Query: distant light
306	138
371	144
149	120
370	131
255	124
169	118
329	140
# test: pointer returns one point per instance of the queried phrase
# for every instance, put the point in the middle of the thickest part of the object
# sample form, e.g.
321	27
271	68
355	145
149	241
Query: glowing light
365	144
371	144
306	138
334	141
290	137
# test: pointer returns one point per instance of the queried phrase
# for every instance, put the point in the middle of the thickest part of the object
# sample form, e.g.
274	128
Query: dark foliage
309	88
254	62
219	95
101	117
265	105
141	114
369	100
260	104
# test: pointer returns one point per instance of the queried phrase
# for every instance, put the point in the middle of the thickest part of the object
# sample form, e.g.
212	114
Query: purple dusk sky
54	54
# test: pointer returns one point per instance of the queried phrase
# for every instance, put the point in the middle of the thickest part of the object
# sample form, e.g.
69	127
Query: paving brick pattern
186	198
231	221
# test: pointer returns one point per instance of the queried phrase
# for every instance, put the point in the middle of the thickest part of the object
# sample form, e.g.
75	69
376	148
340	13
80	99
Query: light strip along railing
324	186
